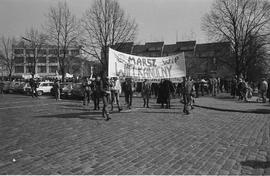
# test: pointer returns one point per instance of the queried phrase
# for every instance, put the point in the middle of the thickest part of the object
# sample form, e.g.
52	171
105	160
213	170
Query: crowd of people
108	90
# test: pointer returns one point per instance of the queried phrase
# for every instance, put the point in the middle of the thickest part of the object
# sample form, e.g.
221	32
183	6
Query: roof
169	48
212	46
186	45
154	45
138	49
124	47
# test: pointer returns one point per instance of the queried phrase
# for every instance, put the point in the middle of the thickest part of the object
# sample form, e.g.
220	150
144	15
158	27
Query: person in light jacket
116	90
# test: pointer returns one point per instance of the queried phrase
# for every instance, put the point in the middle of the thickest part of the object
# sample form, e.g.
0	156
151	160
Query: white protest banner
139	67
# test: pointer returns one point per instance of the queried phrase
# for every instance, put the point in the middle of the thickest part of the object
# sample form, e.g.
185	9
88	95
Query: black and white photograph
134	87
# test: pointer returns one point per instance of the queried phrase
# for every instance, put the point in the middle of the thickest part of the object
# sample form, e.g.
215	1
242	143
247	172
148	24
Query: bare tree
63	30
6	55
36	41
106	24
237	21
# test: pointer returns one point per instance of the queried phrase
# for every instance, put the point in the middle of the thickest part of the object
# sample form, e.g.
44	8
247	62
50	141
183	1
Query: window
42	51
30	60
18	51
52	60
41	69
18	60
19	69
30	51
42	60
53	51
75	52
30	69
62	51
52	69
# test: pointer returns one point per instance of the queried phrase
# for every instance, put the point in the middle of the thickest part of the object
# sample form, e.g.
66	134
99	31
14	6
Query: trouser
146	101
214	91
86	97
187	103
34	92
105	112
57	94
263	95
128	96
96	100
115	97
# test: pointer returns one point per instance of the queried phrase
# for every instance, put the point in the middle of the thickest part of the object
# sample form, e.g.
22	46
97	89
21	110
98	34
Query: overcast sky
158	20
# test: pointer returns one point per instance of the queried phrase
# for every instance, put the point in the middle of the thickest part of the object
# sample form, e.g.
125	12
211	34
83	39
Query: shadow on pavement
255	111
256	164
81	115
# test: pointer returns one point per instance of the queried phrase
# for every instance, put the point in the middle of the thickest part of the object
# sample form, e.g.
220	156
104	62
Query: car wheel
39	93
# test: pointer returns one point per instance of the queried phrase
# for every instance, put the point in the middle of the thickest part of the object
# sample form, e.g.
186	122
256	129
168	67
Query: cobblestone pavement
43	136
225	102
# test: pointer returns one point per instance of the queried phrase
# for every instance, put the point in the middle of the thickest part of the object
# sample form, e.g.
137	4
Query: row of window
40	69
44	51
20	60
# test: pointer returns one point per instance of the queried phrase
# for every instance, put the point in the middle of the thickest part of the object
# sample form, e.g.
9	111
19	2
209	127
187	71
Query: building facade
44	62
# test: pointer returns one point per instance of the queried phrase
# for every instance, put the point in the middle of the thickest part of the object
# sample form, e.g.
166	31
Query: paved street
44	136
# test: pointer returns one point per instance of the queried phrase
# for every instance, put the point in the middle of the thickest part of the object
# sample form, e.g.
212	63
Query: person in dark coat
105	94
128	87
34	85
96	92
164	94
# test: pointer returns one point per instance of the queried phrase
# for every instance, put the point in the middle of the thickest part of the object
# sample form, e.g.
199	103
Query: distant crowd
108	90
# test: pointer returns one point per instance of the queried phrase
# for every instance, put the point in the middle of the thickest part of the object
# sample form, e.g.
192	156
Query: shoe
120	109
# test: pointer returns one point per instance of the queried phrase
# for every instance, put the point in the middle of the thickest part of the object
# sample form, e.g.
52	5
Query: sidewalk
224	102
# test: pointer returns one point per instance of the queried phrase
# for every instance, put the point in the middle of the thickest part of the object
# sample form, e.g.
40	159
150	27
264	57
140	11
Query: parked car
77	91
13	87
24	88
44	88
6	86
66	91
62	85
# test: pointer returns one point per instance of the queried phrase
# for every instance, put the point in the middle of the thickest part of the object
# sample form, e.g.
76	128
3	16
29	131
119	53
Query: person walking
146	92
1	87
242	88
57	89
233	86
263	89
105	94
33	84
96	92
86	91
128	90
187	93
214	87
116	90
268	90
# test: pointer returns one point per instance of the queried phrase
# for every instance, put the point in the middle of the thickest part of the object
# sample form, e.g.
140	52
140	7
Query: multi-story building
44	61
208	59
